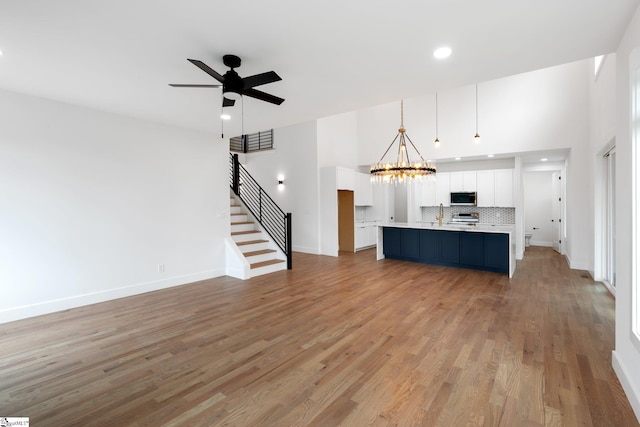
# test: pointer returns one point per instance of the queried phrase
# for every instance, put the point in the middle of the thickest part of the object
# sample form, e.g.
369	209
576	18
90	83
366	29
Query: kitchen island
480	247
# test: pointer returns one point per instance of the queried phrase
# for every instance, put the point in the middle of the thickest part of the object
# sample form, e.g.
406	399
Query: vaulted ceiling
333	56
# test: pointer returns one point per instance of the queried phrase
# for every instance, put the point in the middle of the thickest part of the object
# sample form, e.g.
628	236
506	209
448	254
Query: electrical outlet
160	268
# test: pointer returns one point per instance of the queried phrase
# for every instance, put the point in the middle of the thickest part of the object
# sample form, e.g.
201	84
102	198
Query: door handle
536	228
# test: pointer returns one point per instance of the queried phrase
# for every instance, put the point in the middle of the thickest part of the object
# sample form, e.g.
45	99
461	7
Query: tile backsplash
361	213
496	216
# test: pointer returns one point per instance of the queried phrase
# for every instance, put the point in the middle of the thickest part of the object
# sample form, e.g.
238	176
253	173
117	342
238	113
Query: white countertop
369	222
483	228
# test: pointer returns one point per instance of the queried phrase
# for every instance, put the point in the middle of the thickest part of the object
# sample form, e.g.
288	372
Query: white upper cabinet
469	181
346	179
485	184
456	180
494	188
436	192
463	181
363	195
504	188
443	189
428	194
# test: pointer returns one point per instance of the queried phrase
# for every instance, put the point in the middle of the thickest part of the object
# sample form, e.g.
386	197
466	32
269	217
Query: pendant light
437	141
403	170
476	137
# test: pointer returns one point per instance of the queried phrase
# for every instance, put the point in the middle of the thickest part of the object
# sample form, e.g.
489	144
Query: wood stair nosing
266	263
260	252
236	233
251	242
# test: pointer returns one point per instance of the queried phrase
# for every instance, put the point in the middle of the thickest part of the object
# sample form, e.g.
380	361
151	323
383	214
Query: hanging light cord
436	115
476	108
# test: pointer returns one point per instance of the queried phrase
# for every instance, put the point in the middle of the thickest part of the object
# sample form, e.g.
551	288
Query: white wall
337	140
627	352
544	109
295	158
91	203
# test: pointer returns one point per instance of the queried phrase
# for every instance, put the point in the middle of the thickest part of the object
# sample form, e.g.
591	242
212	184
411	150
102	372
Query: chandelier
403	169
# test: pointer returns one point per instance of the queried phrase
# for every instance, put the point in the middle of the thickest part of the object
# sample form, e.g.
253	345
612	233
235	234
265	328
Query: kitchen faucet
440	215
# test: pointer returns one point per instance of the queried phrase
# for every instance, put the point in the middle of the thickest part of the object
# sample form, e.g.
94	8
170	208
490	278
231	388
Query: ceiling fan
234	86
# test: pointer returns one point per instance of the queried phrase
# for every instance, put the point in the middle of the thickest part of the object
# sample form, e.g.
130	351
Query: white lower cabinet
366	236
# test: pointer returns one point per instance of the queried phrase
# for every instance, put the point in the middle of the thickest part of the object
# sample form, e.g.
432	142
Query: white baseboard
629	388
541	243
52	306
306	250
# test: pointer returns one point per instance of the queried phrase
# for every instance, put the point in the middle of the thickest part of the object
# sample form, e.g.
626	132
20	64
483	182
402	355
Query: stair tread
260	252
235	233
265	263
242	223
251	242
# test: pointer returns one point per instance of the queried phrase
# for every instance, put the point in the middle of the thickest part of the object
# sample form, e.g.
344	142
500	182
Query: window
597	65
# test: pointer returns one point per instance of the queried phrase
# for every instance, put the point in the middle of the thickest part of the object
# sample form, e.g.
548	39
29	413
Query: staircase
257	248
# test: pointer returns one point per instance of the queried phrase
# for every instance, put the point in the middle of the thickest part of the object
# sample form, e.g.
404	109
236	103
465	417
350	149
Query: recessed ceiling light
442	52
489	155
544	159
225	117
458	158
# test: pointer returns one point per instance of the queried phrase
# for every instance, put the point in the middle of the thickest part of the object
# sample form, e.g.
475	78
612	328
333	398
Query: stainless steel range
465	218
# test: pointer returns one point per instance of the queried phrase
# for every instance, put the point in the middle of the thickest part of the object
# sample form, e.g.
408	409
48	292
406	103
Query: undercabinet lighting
442	52
489	155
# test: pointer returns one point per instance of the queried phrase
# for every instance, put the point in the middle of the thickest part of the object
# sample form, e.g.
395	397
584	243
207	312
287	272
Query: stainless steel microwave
465	198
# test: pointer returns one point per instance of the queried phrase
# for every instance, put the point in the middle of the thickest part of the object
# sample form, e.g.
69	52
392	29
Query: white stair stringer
250	251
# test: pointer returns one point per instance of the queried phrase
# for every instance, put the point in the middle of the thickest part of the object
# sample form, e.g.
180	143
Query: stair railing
273	219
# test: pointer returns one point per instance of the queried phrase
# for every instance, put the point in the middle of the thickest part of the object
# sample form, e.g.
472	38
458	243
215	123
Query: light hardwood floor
337	341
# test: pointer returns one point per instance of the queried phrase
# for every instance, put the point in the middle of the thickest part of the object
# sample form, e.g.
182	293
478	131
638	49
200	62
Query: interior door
346	221
556	220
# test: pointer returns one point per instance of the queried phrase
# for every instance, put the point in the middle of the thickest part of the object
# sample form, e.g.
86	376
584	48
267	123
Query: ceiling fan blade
226	102
261	79
181	85
262	96
204	67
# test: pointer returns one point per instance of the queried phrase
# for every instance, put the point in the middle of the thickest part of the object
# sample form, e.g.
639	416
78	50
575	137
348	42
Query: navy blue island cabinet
467	249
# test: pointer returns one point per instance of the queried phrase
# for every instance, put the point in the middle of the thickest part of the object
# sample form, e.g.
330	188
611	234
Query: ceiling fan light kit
234	86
